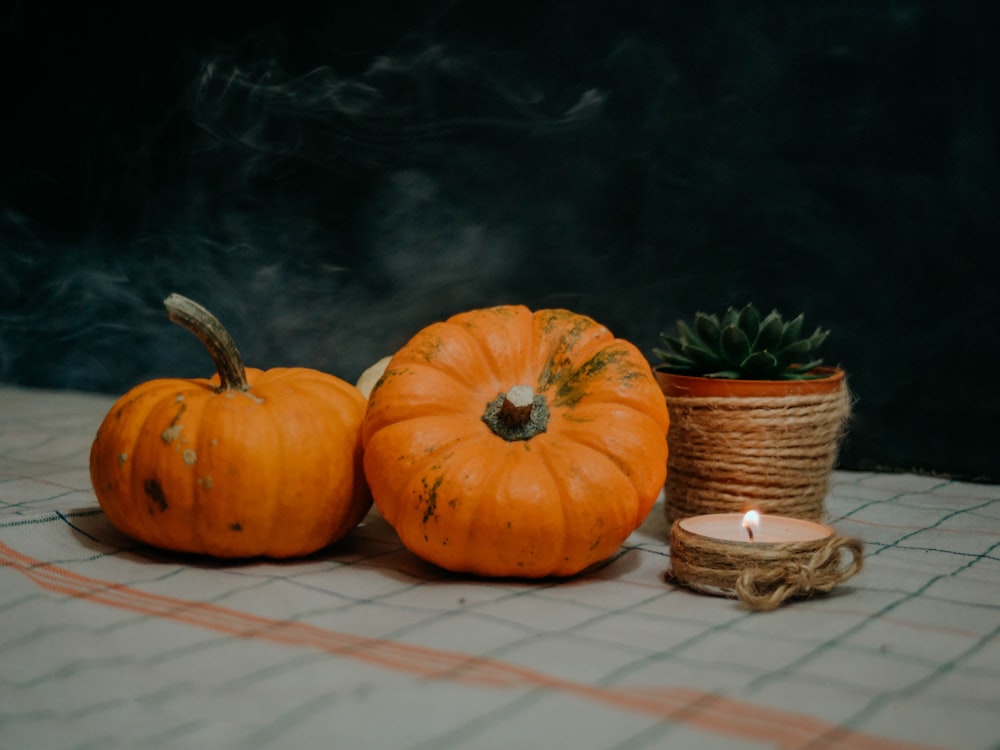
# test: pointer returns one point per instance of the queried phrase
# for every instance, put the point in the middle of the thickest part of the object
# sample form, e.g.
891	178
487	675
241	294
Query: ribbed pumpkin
247	463
506	442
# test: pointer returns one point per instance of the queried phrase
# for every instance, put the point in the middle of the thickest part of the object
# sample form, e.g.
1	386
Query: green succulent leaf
771	328
735	345
803	370
701	356
749	323
792	332
707	327
688	336
794	351
673	359
724	374
817	338
672	342
741	345
759	362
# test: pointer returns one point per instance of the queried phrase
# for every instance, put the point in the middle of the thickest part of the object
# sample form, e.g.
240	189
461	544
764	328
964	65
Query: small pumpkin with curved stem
506	442
248	463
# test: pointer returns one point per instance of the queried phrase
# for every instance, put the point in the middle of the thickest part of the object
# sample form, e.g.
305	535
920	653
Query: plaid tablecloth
105	643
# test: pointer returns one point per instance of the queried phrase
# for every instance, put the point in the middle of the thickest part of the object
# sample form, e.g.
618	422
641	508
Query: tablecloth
106	643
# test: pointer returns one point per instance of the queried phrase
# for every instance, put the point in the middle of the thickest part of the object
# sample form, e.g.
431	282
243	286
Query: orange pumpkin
506	442
246	463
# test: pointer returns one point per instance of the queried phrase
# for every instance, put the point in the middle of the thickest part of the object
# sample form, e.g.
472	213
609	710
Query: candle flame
751	522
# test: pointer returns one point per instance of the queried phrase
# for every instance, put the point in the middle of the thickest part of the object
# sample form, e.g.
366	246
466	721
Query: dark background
330	177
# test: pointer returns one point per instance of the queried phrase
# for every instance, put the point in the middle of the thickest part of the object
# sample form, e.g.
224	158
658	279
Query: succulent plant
742	346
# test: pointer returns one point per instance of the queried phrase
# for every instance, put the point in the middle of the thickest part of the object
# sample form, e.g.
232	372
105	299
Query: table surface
106	643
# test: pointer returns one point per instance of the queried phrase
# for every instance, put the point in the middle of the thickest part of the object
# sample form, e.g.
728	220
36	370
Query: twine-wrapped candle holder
736	444
763	574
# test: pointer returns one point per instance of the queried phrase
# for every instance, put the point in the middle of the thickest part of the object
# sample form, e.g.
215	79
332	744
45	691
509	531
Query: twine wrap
775	454
761	575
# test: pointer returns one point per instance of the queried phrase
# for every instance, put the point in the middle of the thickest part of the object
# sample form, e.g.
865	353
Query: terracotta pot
764	444
689	385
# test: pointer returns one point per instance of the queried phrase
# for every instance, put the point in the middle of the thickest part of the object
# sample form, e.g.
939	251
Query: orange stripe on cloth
706	711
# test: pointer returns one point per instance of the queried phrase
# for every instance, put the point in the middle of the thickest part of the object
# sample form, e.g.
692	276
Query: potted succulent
756	420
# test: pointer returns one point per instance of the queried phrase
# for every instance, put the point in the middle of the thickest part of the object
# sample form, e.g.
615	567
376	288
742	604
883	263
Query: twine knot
768	587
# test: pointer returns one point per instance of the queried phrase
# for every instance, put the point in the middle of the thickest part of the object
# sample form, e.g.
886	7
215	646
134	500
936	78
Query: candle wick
749	529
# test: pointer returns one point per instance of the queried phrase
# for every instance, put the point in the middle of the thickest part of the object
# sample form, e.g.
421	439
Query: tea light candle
755	528
763	560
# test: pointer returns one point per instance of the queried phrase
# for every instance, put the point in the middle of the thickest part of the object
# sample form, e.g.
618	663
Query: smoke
329	184
343	207
400	108
323	216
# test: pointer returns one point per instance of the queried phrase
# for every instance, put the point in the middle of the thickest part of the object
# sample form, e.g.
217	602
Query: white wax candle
772	530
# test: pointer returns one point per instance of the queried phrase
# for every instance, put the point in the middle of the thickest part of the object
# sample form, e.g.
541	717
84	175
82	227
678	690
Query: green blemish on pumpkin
155	493
122	458
428	347
387	377
575	385
604	364
430	496
236	527
470	321
555	370
132	401
598	525
173	430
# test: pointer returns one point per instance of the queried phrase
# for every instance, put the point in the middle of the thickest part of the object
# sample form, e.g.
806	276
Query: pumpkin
505	442
368	378
247	463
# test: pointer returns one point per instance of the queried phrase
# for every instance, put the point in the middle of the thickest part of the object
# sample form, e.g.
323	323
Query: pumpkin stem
220	345
518	414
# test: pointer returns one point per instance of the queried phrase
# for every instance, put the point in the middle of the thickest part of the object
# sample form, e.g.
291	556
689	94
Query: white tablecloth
105	643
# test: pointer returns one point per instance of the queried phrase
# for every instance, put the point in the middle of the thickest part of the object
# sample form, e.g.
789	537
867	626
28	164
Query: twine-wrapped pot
764	444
